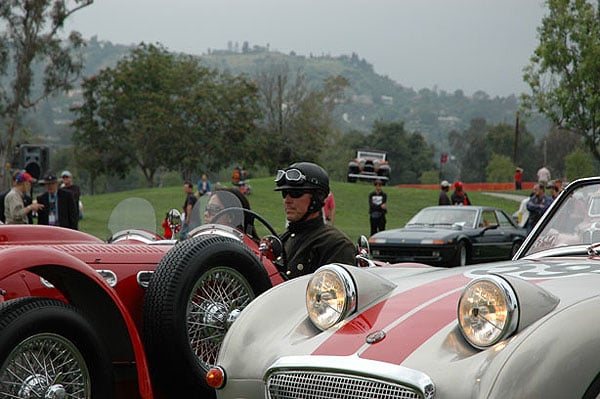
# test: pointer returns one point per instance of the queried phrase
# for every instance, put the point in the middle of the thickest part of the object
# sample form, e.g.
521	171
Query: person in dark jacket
59	206
308	242
443	198
377	208
459	196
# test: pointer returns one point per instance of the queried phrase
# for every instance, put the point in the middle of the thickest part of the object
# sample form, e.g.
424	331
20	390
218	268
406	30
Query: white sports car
524	328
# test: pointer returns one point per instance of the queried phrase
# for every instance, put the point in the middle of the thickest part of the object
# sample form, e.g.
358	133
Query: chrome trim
143	278
512	309
143	236
107	275
217	229
356	366
350	291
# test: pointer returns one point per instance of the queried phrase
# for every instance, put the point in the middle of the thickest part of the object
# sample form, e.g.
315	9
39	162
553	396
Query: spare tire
197	290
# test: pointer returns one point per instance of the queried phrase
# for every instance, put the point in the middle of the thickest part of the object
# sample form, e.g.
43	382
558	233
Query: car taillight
215	377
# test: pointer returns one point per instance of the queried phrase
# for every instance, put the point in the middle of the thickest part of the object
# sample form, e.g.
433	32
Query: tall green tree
31	34
500	169
158	110
564	71
297	118
409	154
471	151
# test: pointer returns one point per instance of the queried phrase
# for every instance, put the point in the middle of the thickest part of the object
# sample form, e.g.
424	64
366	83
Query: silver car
524	328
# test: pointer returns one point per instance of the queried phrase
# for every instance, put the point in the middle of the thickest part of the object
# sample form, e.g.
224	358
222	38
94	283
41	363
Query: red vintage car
136	316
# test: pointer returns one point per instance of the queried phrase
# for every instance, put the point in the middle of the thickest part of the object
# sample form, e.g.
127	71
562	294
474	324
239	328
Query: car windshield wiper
419	224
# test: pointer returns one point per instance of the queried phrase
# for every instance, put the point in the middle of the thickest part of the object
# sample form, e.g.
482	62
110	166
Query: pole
516	144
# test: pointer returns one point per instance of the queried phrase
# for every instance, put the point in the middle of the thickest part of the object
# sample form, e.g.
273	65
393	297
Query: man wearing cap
445	187
15	210
67	184
308	242
59	205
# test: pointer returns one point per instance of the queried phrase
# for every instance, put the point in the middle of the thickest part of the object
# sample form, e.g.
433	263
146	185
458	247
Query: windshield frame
551	238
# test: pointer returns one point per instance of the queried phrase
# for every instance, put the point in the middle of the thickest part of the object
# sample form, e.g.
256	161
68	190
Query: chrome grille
322	385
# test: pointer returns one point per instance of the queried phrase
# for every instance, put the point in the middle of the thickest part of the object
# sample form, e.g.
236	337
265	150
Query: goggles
292	193
293	177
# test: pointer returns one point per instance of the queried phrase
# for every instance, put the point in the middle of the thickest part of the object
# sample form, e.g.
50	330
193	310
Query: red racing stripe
414	331
348	339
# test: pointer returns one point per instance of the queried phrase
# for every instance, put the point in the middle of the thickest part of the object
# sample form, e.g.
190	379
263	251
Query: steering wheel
269	227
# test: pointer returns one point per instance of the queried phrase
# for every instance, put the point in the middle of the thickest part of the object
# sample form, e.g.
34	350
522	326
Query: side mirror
174	221
363	252
271	247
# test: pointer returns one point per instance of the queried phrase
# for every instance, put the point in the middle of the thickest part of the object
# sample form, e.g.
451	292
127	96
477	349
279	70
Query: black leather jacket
311	243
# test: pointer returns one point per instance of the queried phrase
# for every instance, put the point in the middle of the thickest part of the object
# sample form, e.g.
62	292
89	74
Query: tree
31	34
564	73
471	150
157	110
409	154
499	169
500	140
578	164
297	119
556	145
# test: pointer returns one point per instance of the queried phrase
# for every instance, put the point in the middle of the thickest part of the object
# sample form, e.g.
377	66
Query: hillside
369	98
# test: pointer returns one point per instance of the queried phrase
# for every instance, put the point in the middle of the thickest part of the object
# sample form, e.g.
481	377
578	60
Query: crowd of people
537	203
458	197
58	205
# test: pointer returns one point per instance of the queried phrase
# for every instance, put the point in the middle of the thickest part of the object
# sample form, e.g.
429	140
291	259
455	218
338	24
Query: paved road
513	197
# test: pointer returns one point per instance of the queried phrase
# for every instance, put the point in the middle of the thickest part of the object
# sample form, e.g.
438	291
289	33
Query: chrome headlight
488	311
330	296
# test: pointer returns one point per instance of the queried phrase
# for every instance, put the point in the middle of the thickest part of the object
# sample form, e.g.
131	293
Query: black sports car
450	236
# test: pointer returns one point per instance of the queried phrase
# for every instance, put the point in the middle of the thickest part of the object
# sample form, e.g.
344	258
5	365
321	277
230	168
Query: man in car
308	242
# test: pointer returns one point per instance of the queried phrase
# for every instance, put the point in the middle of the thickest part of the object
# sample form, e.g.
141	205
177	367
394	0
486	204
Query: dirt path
513	197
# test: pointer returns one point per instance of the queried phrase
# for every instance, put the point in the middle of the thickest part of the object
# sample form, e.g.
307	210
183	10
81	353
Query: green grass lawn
351	205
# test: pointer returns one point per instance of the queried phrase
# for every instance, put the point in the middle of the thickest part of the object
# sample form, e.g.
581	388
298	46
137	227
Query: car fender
551	345
84	288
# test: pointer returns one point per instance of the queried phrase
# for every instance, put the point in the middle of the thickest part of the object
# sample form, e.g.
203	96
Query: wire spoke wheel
215	303
47	366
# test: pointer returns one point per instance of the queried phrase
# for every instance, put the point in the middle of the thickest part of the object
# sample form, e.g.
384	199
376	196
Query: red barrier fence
527	186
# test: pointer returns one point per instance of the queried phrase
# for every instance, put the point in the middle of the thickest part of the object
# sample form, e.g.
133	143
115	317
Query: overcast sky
445	44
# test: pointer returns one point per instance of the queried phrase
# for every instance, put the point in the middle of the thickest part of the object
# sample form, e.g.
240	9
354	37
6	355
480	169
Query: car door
492	243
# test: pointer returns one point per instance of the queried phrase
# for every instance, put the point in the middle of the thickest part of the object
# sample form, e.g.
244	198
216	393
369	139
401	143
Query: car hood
416	309
413	235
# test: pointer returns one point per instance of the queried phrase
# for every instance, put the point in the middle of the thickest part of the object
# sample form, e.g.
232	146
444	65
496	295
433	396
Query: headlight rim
350	292
512	309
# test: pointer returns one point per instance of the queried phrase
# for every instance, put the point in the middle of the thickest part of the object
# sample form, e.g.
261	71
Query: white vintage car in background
369	165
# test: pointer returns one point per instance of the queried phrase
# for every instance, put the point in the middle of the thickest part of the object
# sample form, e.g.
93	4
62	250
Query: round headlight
488	311
330	296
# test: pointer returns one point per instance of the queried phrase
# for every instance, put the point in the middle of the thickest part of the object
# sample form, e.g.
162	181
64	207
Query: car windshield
371	155
444	216
132	213
575	222
209	206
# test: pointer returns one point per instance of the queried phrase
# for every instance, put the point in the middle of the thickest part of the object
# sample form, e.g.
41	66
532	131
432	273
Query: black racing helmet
303	176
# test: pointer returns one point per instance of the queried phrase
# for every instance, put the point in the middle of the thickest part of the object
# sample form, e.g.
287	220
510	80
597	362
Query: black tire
462	254
48	348
196	292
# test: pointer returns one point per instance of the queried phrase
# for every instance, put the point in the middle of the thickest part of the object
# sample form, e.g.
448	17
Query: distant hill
370	97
